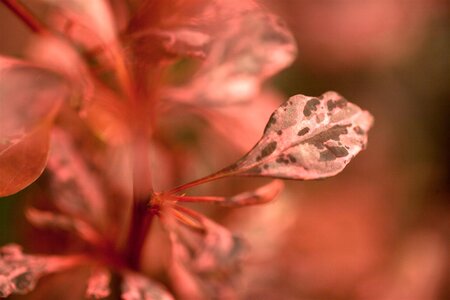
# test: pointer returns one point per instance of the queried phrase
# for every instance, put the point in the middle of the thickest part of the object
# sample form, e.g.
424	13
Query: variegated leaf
98	284
137	287
307	138
19	272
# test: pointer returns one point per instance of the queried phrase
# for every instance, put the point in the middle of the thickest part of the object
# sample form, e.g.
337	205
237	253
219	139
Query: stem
140	225
218	175
26	16
199	199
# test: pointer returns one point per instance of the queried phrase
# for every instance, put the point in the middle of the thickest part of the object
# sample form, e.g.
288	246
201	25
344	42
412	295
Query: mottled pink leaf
261	195
137	287
208	259
213	248
98	284
256	48
307	138
29	100
19	272
76	189
243	45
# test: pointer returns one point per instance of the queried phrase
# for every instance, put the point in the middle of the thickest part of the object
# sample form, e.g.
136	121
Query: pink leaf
213	248
307	138
19	272
29	100
243	45
98	284
61	57
261	195
137	287
77	190
206	259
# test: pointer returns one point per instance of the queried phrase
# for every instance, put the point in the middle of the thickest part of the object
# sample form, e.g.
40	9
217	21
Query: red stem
199	199
219	175
25	15
139	227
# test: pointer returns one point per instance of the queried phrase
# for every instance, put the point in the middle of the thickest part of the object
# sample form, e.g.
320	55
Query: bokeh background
381	229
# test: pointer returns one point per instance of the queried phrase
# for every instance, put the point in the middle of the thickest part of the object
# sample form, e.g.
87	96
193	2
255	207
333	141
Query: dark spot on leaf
341	103
326	155
333	133
267	150
24	281
279	132
338	151
282	159
292	158
310	106
303	131
266	166
359	130
332	153
255	169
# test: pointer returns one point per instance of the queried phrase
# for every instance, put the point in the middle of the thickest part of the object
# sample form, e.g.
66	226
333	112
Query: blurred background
381	229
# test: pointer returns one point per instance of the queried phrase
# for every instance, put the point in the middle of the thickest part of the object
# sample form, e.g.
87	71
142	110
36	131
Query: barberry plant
89	119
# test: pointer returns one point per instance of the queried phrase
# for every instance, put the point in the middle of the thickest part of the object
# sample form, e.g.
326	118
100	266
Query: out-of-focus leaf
209	258
24	161
19	272
59	56
241	43
77	190
307	138
29	100
51	220
255	46
88	22
98	284
137	287
261	195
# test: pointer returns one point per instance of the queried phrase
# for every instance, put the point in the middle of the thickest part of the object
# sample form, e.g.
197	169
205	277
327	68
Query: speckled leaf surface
20	272
137	287
308	138
98	284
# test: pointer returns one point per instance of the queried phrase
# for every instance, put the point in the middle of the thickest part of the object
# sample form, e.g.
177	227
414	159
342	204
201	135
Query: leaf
307	138
30	97
61	57
98	284
207	260
213	248
88	22
243	45
137	287
76	189
19	272
255	47
261	195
